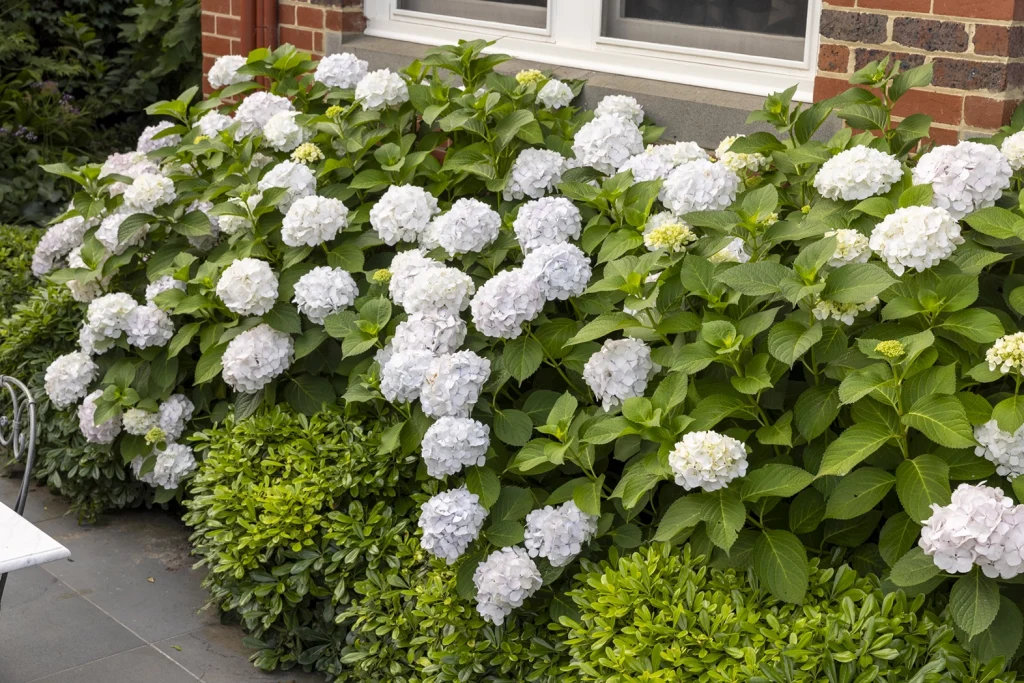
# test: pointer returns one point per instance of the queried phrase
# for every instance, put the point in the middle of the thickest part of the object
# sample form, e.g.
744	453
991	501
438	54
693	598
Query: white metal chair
18	430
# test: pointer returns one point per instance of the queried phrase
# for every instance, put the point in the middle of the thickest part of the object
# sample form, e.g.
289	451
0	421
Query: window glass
530	13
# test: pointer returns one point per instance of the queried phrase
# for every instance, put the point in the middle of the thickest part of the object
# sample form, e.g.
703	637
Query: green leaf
684	513
504	534
1009	413
852	447
724	515
974	602
283	317
781	562
917	195
913	568
602	325
816	409
778	434
513	427
917	77
920	483
308	394
588	496
522	356
858	492
513	504
1002	637
856	283
862	382
209	365
943	420
754	279
996	222
606	430
789	340
976	324
898	535
484	483
775	480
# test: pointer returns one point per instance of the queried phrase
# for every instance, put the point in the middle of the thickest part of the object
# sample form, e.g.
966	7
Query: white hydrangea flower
1003	449
147	192
1013	149
734	252
313	220
438	289
172	465
844	313
56	243
109	232
405	266
623	106
1007	353
343	70
283	133
707	460
678	153
980	526
224	71
738	162
260	160
965	177
67	378
380	89
505	302
606	143
92	342
851	247
256	110
648	165
294	177
102	433
213	123
108	315
554	94
503	582
230	225
255	357
858	173
534	173
699	185
248	287
468	227
546	221
663	230
131	165
402	373
139	422
402	214
161	285
452	384
146	142
559	533
452	443
916	238
174	414
619	370
149	326
560	270
84	292
435	331
450	521
323	291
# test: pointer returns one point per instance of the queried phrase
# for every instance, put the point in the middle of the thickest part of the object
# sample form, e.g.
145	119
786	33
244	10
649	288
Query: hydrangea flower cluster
379	89
248	287
739	162
505	302
915	238
1007	354
623	106
108	315
307	153
503	582
554	95
139	422
438	289
618	371
534	173
699	185
161	285
851	247
469	226
256	110
450	521
678	153
224	71
323	291
212	123
171	465
294	177
255	357
173	415
734	252
980	526
965	177
1003	449
405	266
148	326
56	243
147	192
529	77
559	270
844	313
452	384
452	443
402	373
313	220
648	165
67	378
102	433
707	460
558	534
1013	149
147	143
858	173
402	214
343	70
606	143
283	133
547	221
666	231
435	331
130	164
231	225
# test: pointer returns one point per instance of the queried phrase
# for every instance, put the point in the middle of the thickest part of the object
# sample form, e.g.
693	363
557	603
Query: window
748	46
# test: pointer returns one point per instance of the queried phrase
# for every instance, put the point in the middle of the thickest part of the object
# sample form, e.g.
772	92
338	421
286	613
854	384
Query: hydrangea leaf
780	560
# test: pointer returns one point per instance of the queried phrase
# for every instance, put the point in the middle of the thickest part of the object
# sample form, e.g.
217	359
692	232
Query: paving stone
41	505
141	664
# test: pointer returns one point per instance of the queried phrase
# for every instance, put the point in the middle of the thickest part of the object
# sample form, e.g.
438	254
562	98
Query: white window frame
573	38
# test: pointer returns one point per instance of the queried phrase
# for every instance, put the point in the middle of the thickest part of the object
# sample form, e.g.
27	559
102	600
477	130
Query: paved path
123	609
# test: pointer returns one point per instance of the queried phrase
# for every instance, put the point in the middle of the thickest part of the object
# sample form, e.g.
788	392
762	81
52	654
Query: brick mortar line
926	16
935	54
941	90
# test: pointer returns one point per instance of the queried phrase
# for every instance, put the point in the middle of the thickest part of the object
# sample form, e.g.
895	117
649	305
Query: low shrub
16	279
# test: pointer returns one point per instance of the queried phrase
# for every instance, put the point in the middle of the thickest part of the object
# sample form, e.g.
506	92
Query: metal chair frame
14	438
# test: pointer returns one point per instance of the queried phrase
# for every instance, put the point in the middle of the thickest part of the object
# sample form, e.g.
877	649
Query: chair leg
3	582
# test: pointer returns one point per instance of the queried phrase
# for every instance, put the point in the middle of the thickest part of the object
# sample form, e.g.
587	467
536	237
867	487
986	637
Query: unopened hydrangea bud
450	521
382	276
503	582
155	435
307	153
334	110
452	443
890	348
200	138
558	534
619	370
665	231
1007	353
707	460
844	313
529	76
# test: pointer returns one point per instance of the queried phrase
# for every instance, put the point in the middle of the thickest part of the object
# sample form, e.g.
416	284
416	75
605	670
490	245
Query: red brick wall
976	47
303	23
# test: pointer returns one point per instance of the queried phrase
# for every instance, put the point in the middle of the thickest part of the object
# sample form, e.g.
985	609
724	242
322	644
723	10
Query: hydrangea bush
791	350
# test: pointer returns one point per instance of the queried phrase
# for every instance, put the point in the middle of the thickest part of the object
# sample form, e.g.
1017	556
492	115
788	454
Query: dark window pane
532	13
